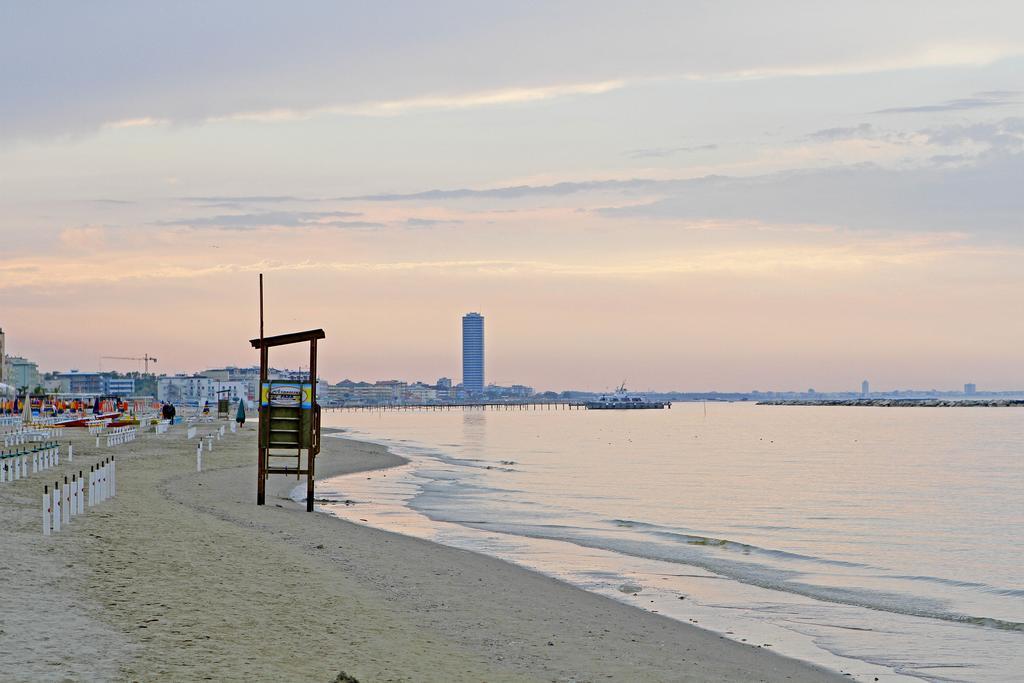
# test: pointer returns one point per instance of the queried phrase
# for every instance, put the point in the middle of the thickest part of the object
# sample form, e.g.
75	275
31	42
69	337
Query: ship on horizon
623	399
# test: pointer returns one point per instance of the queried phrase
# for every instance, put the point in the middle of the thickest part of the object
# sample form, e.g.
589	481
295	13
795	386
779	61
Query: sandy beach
183	577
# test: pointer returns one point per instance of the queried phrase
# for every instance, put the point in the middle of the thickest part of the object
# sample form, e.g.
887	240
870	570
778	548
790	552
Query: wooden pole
313	446
261	483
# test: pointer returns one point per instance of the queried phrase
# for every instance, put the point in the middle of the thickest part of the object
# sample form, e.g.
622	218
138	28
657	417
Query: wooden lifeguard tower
289	424
223	403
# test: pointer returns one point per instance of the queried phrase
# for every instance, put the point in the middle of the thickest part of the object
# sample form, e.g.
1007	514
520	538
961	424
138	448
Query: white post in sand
92	486
55	507
71	453
35	462
210	437
113	477
46	511
65	503
81	492
199	457
73	498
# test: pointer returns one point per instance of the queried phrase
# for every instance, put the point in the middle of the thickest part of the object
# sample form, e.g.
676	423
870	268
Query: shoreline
181	576
898	402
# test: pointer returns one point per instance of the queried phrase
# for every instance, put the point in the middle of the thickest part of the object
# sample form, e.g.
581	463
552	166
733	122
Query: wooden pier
482	405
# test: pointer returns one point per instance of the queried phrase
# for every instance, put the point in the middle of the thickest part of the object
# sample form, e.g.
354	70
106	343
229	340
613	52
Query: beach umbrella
240	417
26	415
96	407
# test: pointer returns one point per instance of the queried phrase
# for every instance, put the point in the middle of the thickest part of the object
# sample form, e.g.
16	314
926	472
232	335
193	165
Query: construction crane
146	358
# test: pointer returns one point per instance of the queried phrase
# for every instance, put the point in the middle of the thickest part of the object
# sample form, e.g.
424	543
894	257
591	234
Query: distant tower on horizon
970	389
865	388
473	353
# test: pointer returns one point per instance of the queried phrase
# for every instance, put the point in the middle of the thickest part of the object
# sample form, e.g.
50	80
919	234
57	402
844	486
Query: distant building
970	389
516	391
419	393
385	391
249	375
3	358
119	386
473	353
865	388
75	382
22	373
444	388
199	389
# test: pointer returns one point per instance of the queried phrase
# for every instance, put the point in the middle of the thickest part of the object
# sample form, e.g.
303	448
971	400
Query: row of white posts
96	427
14	466
21	436
119	436
70	500
210	437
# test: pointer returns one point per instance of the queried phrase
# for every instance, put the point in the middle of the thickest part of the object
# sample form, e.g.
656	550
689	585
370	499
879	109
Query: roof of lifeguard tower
290	338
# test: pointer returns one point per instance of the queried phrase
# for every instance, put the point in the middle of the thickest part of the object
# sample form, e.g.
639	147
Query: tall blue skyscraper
473	353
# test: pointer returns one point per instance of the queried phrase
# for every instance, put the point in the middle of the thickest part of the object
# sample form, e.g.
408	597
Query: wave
693	550
729	559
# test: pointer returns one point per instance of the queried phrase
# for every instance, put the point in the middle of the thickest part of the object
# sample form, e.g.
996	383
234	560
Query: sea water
885	543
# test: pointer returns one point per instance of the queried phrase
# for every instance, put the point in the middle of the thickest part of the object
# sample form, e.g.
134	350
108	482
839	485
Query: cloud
273	219
861	131
981	100
980	198
244	199
838	256
436	102
517	191
83	238
659	152
431	222
1004	135
264	62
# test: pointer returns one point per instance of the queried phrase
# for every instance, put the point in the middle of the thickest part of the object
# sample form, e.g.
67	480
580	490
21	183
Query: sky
686	195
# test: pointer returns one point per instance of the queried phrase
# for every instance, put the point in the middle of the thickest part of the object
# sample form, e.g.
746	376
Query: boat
621	399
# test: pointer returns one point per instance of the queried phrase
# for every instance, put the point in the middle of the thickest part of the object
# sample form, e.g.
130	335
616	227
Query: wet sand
183	577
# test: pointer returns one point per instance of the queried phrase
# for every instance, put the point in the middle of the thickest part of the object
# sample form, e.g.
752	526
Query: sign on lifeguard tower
289	414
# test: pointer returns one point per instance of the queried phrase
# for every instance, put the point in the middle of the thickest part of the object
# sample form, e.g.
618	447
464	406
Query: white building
199	389
22	372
